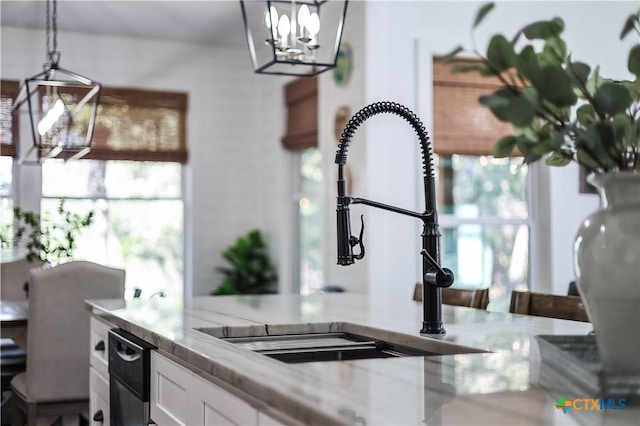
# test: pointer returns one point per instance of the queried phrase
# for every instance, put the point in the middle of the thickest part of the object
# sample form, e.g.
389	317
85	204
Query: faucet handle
440	277
353	241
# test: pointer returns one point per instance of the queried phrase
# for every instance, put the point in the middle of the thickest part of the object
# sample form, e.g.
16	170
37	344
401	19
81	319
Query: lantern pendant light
293	37
62	105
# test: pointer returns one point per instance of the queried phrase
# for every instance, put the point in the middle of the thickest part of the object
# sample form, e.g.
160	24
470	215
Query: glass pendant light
61	105
293	37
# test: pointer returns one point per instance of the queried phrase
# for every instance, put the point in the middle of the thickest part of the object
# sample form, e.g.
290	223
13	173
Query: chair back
548	305
478	299
58	327
14	274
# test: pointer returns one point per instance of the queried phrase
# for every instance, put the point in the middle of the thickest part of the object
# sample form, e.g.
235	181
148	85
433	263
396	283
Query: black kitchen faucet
433	275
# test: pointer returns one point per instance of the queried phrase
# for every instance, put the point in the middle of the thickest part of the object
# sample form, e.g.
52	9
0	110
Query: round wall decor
342	71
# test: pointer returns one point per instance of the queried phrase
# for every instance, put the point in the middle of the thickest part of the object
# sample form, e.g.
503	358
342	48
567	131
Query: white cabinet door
99	372
98	399
99	358
215	406
170	391
180	397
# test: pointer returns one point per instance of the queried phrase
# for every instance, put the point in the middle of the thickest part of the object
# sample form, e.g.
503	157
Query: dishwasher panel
129	360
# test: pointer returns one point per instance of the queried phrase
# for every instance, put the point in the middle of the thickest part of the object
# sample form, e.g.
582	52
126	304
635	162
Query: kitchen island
503	383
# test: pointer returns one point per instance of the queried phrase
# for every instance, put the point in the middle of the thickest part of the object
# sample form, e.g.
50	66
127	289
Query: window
483	201
301	137
485	226
138	217
6	204
8	135
132	181
309	209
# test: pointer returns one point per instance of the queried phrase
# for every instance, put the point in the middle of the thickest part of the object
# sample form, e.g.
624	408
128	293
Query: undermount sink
337	341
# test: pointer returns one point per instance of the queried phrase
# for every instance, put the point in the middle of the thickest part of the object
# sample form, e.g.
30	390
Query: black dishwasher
129	359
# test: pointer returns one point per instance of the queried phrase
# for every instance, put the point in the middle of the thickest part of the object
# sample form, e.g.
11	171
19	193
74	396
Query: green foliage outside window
45	239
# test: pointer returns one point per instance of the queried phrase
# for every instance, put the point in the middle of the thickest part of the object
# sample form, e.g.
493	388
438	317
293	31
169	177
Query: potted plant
250	270
563	111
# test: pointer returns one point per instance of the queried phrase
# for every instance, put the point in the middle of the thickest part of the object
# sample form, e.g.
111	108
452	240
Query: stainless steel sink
338	341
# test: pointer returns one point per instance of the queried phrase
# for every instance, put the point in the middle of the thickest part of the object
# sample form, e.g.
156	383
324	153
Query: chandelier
61	104
293	37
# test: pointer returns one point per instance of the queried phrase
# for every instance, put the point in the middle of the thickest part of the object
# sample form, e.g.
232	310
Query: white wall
331	97
236	164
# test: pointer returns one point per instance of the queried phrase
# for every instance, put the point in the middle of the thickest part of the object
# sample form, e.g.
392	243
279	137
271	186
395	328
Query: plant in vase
250	270
564	111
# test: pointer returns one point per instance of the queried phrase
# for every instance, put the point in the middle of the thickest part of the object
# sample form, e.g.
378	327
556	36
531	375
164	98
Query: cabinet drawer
170	384
98	399
99	358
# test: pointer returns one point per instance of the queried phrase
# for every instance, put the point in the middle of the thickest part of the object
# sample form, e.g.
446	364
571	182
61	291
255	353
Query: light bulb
271	18
313	24
303	16
51	117
284	26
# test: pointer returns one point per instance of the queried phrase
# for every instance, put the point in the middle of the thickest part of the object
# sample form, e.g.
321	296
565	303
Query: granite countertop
507	385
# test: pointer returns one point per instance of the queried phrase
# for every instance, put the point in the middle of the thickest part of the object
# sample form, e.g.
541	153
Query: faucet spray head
345	250
346	241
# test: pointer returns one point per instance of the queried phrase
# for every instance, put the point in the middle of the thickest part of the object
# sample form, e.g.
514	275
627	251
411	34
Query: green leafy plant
561	109
250	270
46	239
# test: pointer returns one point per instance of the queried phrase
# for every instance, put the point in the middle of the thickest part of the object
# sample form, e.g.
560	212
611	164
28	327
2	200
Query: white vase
607	267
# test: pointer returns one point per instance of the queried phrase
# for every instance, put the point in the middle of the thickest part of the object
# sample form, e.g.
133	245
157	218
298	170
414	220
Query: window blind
131	124
140	125
461	124
301	97
8	122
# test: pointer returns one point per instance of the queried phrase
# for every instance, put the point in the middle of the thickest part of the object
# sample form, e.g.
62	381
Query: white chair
14	275
57	378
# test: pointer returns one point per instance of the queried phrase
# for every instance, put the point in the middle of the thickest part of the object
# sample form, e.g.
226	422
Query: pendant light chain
52	24
48	29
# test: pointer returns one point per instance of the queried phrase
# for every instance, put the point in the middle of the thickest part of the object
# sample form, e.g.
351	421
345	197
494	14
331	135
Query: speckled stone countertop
507	385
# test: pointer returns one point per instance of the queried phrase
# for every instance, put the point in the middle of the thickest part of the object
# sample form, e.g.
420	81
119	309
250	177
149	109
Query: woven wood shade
8	121
301	97
461	124
140	125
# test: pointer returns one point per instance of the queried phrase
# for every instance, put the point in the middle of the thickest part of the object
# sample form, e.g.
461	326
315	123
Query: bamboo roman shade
301	96
140	125
8	126
461	124
131	124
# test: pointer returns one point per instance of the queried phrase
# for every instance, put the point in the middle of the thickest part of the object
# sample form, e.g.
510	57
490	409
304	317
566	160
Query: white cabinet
181	397
98	398
216	407
99	372
169	391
